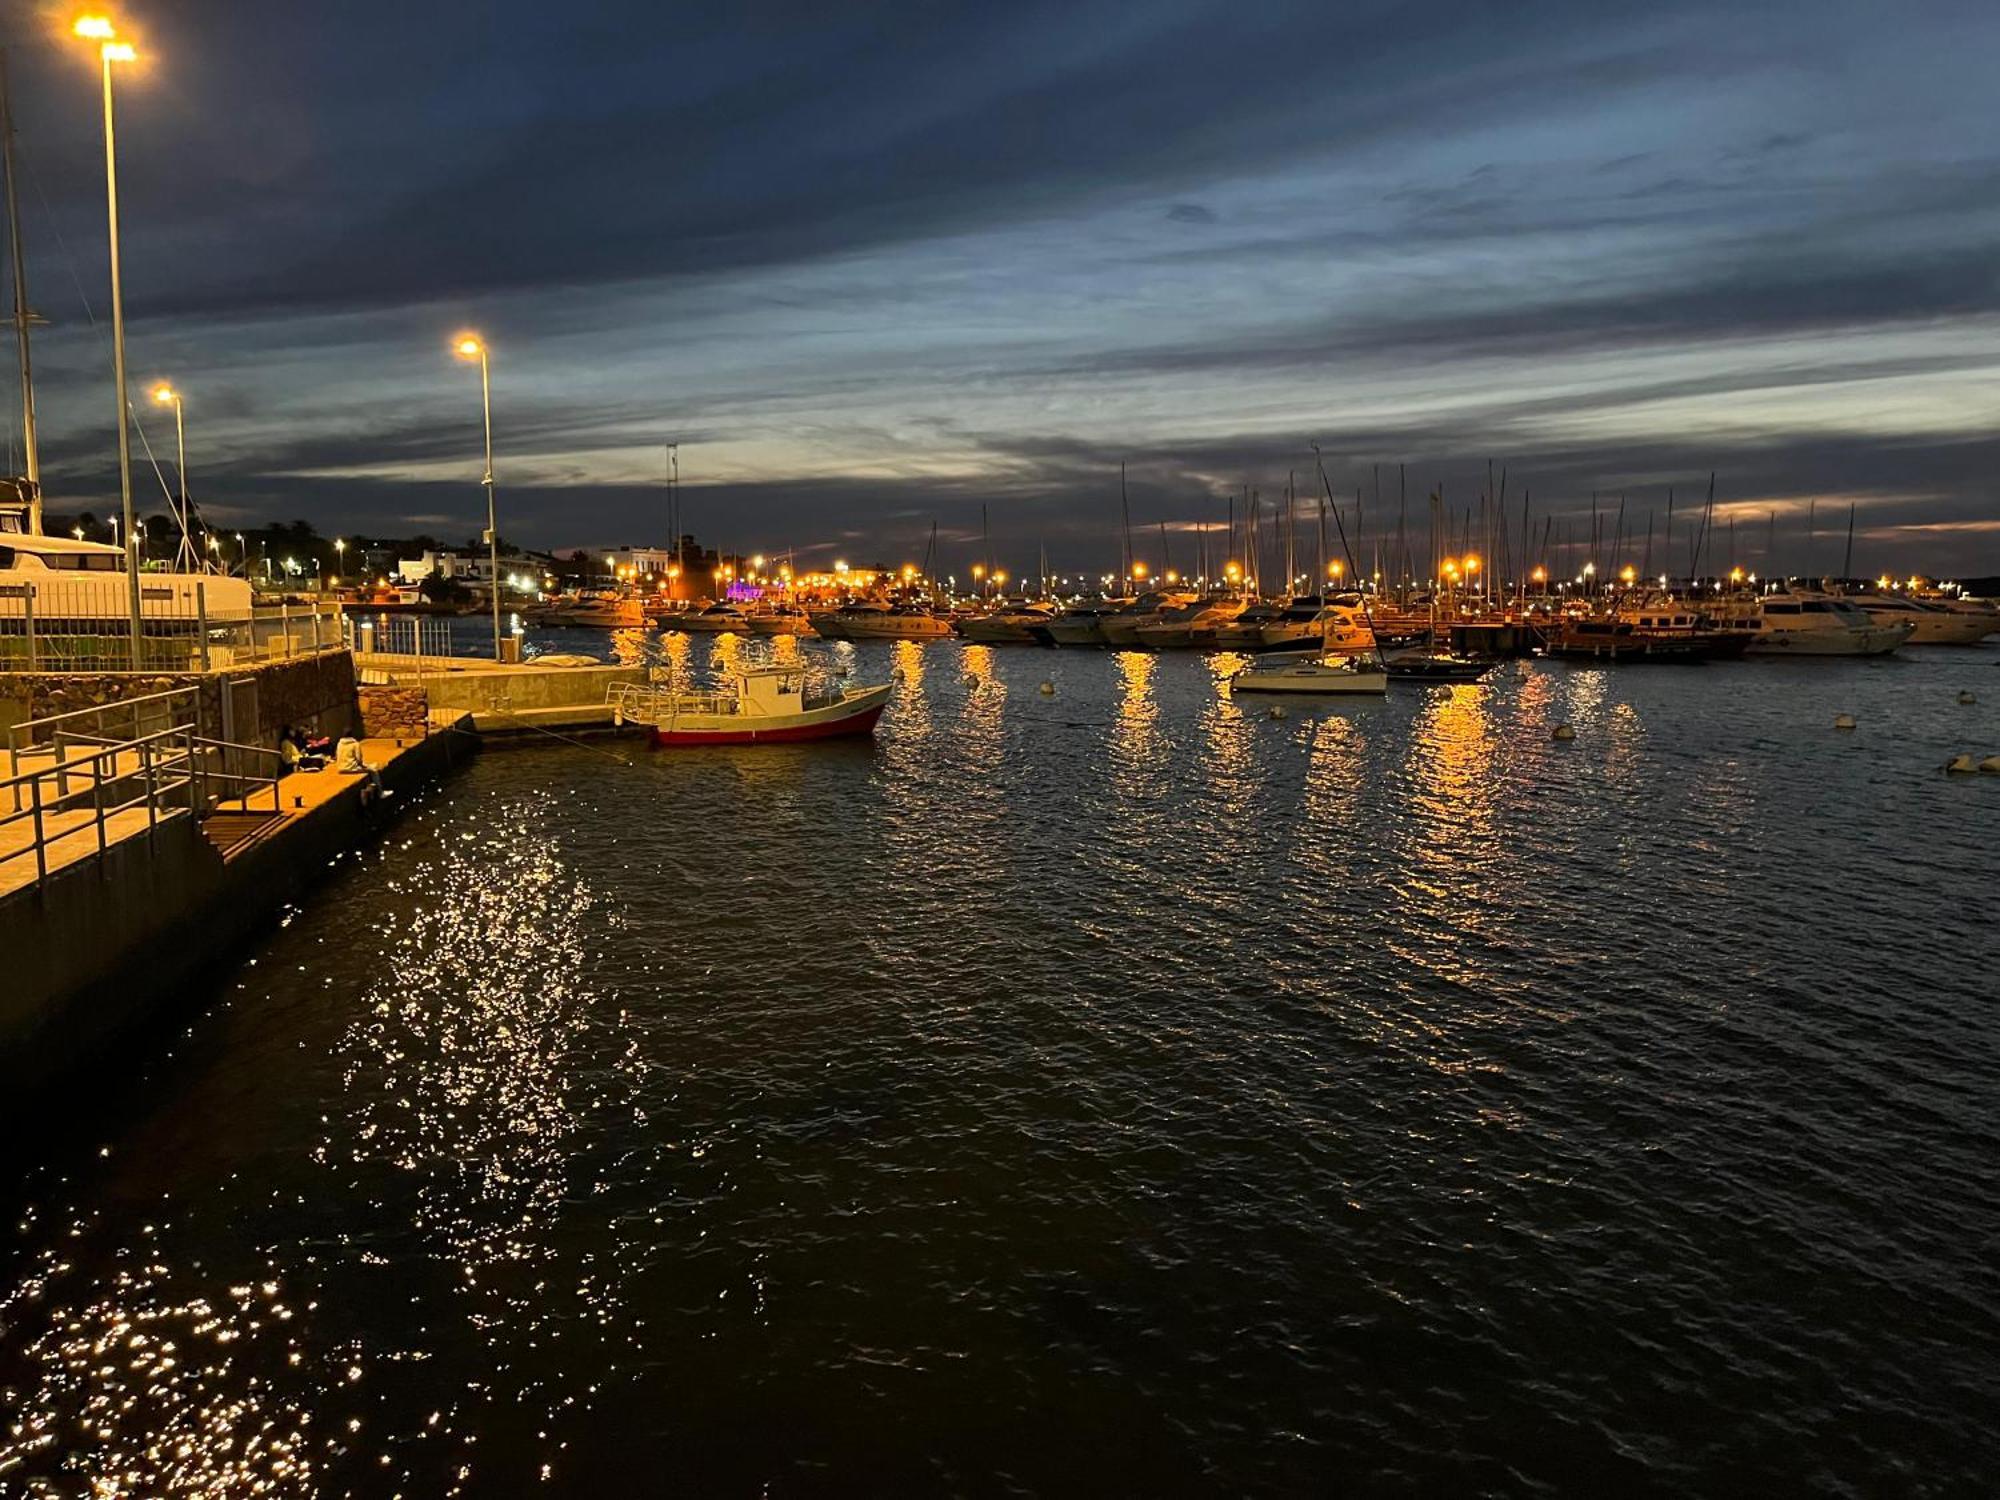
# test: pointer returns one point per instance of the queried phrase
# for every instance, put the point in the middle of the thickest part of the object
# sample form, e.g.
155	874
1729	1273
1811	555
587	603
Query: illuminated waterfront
1112	1089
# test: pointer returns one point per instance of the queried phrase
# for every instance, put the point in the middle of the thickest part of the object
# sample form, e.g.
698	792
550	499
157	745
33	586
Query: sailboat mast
1125	506
30	452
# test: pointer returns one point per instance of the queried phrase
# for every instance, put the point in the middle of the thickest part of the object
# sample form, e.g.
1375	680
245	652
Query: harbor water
1116	1090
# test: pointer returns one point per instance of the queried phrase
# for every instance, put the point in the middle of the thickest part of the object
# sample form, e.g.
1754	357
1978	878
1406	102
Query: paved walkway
71	835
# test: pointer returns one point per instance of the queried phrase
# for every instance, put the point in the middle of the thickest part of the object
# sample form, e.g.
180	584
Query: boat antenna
1366	613
1847	562
30	452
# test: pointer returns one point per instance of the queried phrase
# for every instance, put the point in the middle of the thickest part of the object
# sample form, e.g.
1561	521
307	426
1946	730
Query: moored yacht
1121	627
777	619
1082	625
1246	631
1298	620
1931	624
874	621
722	618
1013	624
1179	628
1286	673
80	588
1797	623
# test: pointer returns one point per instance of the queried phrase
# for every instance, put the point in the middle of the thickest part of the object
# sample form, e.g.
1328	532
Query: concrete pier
105	945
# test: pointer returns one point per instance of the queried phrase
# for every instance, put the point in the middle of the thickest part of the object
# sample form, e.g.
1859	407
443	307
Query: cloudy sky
877	265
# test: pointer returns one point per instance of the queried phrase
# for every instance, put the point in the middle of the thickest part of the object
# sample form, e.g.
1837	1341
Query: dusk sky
873	265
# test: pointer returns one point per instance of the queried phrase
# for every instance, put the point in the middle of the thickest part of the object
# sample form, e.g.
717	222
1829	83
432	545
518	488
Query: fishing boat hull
853	717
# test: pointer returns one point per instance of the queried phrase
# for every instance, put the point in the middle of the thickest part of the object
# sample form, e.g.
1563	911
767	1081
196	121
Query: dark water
1111	1091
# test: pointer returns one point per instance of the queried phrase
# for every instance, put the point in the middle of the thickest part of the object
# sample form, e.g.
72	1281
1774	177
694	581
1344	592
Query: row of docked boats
1631	626
1792	622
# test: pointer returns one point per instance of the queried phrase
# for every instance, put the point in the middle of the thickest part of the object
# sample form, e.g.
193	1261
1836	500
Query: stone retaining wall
395	713
317	691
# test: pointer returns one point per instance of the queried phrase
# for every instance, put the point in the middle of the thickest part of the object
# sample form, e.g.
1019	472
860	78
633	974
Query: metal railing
647	703
62	625
169	771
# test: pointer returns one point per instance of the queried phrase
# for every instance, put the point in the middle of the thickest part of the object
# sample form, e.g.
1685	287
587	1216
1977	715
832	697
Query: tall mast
30	453
1125	510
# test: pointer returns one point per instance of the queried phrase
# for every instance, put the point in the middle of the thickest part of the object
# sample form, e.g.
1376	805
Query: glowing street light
1336	568
339	559
1138	570
166	395
470	346
110	50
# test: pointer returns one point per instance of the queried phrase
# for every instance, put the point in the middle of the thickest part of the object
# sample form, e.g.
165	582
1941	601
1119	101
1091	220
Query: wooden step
232	832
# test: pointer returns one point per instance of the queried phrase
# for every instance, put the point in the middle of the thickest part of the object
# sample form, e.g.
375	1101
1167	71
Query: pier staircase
75	784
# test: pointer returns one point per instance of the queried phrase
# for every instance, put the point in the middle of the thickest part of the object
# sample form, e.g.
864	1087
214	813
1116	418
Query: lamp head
164	394
469	346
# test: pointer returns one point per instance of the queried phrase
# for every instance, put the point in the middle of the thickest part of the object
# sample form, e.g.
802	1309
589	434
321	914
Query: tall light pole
110	50
166	395
30	450
471	346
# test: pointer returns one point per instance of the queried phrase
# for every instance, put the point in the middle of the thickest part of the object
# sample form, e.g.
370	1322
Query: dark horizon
876	270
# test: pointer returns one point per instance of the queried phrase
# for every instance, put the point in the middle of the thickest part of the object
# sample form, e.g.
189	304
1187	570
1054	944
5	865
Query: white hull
79	599
895	628
1877	640
1320	679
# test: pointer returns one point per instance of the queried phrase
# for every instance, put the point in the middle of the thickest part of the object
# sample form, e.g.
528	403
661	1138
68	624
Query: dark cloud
946	242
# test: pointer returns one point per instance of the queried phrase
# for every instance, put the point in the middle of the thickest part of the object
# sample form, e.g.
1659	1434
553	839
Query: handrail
158	754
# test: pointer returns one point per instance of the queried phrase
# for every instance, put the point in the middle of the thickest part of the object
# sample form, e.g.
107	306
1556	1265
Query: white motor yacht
874	621
73	587
1121	627
1299	620
1797	623
1082	625
1246	631
1180	628
716	619
778	619
1930	624
1013	624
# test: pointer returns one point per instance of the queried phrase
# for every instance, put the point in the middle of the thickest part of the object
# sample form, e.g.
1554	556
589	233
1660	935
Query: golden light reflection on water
1135	735
913	712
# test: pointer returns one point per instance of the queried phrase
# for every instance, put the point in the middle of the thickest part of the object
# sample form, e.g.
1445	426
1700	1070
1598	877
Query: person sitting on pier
348	762
293	755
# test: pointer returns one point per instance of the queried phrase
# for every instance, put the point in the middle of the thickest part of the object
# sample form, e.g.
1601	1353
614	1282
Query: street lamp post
110	50
471	346
166	395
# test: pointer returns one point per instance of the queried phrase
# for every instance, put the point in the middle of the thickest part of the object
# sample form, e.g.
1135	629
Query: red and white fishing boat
760	706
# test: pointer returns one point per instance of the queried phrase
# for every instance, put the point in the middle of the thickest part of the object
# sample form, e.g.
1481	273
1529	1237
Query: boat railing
650	703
